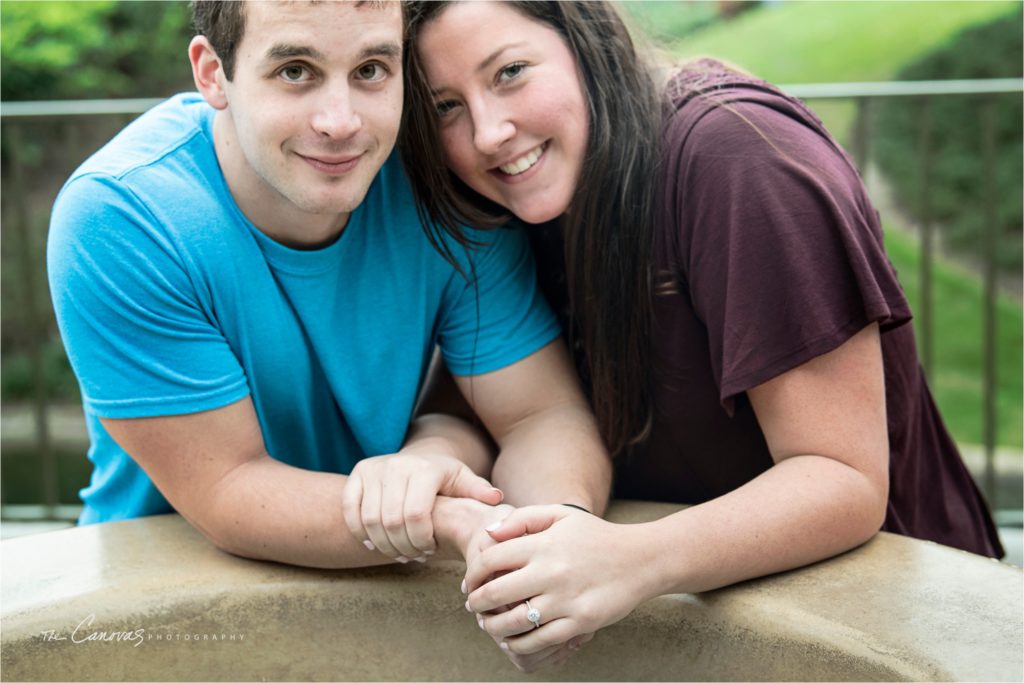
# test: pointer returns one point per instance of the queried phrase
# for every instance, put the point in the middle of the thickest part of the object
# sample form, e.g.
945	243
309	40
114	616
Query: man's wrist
454	523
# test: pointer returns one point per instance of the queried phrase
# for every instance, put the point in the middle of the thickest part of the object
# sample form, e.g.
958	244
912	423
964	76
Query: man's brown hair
223	24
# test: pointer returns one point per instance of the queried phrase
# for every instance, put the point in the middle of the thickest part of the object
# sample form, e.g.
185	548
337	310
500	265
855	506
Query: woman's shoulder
704	86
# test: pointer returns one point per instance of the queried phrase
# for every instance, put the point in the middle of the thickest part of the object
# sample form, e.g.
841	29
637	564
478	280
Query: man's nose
335	116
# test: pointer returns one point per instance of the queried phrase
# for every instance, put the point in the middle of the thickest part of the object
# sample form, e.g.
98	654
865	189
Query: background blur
943	169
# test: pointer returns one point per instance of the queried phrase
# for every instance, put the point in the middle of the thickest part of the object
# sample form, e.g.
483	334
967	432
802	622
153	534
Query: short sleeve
138	338
500	317
782	251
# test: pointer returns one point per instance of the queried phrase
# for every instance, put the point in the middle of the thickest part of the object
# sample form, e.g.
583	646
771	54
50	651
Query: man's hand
388	500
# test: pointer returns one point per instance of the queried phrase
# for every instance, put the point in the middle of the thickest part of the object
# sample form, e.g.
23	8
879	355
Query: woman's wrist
660	568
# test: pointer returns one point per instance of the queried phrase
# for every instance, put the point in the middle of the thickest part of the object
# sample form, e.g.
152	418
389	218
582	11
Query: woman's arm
825	423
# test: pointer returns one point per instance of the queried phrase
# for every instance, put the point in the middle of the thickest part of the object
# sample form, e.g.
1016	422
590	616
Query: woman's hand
580	572
388	499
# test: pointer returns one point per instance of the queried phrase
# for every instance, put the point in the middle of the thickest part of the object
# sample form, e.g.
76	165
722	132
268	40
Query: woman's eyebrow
494	55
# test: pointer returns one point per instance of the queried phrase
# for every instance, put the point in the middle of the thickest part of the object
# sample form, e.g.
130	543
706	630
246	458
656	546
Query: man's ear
208	72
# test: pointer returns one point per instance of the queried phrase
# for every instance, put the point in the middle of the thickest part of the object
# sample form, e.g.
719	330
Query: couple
251	285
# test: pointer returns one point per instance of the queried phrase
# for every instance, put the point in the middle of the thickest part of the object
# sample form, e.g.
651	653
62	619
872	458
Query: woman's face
513	117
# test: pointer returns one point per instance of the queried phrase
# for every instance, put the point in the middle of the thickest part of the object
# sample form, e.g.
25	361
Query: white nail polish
464	586
493	526
369	546
402	559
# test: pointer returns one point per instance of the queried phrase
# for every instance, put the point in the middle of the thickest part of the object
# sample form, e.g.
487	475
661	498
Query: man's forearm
456	437
555	457
266	510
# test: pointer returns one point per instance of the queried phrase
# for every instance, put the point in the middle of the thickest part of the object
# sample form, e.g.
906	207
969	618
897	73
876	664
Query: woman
737	324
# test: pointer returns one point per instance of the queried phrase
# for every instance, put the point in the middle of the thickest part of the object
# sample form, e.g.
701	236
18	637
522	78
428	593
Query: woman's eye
374	71
511	71
295	73
445	107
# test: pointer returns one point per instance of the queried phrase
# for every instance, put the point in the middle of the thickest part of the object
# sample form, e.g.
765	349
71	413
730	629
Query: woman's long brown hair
608	231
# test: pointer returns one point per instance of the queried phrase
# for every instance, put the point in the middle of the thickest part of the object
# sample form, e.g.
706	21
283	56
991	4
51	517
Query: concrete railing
151	599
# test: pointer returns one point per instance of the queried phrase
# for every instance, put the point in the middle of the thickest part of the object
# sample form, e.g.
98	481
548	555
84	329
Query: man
250	303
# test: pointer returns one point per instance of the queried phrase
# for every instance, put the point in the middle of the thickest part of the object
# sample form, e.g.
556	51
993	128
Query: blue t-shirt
170	301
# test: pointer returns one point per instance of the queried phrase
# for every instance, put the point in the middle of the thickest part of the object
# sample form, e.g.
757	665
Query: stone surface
173	607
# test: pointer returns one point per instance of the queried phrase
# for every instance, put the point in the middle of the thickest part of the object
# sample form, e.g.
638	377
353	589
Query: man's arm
214	469
550	447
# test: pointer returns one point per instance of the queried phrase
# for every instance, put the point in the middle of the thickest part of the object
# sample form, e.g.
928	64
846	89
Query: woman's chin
536	215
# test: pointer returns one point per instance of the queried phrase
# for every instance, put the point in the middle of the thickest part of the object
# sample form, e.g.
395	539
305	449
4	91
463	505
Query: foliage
92	49
958	191
825	41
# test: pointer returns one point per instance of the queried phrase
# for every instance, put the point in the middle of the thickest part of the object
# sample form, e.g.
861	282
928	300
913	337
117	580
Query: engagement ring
533	614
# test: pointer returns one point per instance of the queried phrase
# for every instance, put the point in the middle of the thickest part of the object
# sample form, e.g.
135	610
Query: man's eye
374	71
295	73
512	71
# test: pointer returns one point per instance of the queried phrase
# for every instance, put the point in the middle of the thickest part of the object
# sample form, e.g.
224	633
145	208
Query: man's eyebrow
286	51
391	50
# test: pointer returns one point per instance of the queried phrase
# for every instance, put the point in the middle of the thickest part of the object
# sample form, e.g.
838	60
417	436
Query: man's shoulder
153	139
162	168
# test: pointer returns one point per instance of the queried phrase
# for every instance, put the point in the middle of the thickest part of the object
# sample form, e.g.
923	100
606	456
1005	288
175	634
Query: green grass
959	369
825	41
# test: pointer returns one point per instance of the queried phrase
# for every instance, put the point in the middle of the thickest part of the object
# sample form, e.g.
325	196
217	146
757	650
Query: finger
555	659
536	661
509	589
514	622
580	640
419	522
502	558
392	517
528	520
370	512
351	499
552	633
465	484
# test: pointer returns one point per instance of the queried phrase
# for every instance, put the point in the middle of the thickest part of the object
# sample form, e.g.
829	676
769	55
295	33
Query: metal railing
37	314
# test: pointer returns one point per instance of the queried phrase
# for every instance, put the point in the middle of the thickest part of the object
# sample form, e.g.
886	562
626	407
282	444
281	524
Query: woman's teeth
522	163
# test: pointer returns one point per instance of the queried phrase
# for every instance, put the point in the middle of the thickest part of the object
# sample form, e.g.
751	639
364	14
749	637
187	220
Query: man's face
313	112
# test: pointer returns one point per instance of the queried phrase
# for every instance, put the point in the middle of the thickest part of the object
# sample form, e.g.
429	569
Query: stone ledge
893	609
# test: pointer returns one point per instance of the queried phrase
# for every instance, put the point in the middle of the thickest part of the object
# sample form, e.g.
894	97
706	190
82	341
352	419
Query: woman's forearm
802	510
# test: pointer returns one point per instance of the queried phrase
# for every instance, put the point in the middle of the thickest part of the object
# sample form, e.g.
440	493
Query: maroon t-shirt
768	253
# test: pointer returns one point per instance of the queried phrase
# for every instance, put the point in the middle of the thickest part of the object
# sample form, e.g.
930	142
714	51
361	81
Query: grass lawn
824	41
959	368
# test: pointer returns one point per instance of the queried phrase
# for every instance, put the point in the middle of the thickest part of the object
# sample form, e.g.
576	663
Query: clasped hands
413	505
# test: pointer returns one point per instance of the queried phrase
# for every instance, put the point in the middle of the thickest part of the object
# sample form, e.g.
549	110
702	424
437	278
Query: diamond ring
533	614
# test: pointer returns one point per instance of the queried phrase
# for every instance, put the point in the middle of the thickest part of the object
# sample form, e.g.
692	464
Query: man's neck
263	205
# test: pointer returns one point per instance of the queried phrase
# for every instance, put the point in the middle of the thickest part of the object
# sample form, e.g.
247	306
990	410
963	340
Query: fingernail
421	558
428	552
500	492
468	608
479	621
494	525
503	645
402	559
464	586
369	546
